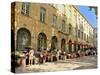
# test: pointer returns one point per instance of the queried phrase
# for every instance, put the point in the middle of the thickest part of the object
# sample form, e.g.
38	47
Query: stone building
95	37
49	26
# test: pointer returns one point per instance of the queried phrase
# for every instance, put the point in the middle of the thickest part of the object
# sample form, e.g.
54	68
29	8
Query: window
63	26
25	8
70	28
54	20
42	15
78	33
87	38
82	35
76	30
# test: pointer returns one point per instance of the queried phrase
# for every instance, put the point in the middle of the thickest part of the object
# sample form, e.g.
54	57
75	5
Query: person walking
31	56
58	54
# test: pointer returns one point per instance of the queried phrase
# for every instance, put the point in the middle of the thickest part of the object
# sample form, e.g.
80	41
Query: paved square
86	62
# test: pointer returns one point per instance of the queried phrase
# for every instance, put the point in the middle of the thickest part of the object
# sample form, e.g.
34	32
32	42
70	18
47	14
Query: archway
78	46
23	38
54	43
70	46
63	45
42	41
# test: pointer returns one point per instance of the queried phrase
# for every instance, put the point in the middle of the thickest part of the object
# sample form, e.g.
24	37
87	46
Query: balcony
63	32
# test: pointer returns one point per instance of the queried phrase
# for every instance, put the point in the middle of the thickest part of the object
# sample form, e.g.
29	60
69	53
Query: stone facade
64	35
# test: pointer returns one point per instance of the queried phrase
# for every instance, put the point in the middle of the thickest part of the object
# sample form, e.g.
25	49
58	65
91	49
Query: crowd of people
31	57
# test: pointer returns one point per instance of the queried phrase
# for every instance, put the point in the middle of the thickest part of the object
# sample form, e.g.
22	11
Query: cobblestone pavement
86	62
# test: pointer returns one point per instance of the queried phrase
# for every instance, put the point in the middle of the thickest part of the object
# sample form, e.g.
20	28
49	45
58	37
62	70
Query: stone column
34	40
67	48
72	47
48	43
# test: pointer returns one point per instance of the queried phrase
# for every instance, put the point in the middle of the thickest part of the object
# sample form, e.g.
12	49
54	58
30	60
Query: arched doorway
70	46
23	38
63	45
78	46
75	46
54	43
42	41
